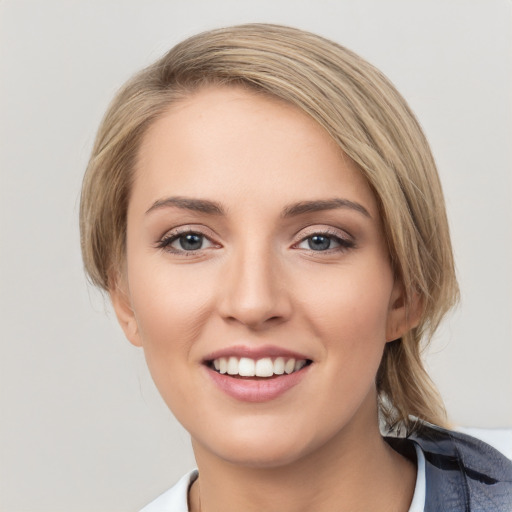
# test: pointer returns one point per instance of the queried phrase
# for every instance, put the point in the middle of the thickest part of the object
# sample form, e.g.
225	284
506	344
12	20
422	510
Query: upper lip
255	353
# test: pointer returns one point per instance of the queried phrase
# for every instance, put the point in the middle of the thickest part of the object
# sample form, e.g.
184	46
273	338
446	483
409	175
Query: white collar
176	498
420	489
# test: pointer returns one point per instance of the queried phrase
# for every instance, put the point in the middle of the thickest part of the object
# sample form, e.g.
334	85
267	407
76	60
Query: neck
349	473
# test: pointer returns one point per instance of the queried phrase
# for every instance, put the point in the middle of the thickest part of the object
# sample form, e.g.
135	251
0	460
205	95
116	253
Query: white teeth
233	366
265	367
289	366
279	366
299	364
246	367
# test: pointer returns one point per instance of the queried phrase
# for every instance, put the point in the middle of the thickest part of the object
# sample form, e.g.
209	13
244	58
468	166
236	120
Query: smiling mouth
264	368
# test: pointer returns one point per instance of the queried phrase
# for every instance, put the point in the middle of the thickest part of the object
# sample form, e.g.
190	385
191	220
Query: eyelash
170	238
344	244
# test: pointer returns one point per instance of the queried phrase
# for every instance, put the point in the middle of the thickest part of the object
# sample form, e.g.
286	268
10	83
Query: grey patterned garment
463	474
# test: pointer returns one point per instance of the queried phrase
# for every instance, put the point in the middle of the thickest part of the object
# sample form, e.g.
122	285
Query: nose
254	290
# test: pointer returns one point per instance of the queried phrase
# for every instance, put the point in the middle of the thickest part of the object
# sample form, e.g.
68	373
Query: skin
255	281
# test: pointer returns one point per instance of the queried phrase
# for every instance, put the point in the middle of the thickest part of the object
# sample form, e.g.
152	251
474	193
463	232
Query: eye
185	242
319	243
189	242
323	242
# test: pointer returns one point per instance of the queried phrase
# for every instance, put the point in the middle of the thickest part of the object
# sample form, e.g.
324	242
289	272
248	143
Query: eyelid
318	229
343	241
171	235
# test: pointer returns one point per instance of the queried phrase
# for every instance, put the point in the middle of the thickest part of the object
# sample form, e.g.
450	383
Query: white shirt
175	499
420	489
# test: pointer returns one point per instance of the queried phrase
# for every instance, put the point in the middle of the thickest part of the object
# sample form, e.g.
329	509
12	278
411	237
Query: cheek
352	326
168	298
349	314
171	306
354	336
350	303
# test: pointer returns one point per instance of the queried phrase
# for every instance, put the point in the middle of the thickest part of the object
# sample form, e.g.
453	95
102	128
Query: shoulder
462	472
175	498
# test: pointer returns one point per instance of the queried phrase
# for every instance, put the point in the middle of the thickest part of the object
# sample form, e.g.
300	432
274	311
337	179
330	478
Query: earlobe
125	315
403	314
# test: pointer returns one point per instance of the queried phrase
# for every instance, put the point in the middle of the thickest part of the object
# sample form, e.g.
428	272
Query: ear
404	313
120	297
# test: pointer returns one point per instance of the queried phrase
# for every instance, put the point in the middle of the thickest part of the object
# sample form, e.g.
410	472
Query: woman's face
254	249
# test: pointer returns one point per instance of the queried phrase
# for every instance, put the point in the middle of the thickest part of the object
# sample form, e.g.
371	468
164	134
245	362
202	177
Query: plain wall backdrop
82	428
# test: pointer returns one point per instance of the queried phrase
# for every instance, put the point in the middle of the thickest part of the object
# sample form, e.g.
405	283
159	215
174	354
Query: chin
260	447
261	455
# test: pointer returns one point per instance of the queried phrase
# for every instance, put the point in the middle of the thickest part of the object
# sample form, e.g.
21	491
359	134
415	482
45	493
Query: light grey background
82	427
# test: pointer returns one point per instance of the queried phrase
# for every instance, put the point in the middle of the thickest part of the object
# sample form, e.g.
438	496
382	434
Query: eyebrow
186	203
301	208
322	205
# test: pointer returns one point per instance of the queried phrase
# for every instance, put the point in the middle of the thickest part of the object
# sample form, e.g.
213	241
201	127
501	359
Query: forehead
227	141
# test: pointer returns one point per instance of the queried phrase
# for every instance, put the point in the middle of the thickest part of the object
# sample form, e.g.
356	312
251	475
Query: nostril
254	319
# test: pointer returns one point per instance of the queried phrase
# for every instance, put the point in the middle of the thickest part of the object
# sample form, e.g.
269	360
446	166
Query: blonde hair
368	119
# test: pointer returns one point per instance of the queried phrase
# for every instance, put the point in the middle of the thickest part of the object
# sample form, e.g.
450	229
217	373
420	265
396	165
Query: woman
265	213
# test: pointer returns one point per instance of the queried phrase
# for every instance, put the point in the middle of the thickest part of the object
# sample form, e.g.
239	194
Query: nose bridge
253	289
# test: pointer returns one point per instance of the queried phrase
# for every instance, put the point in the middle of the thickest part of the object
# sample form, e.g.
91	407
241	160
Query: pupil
319	243
191	242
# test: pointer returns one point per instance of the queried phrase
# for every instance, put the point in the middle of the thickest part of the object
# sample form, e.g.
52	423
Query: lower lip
257	390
